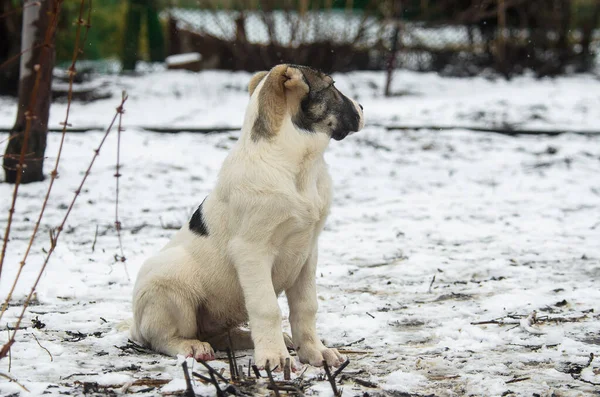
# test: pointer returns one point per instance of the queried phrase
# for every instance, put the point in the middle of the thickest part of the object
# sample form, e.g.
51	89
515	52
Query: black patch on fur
322	103
260	129
197	224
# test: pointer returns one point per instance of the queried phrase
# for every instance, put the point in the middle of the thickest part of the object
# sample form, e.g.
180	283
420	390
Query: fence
462	37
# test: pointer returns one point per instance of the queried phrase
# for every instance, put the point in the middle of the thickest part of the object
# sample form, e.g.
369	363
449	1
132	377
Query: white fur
264	217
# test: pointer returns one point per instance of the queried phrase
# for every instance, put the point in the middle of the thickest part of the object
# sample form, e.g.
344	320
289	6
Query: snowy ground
181	99
507	226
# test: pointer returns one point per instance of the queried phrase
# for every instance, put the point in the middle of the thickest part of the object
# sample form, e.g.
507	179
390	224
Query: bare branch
59	229
53	175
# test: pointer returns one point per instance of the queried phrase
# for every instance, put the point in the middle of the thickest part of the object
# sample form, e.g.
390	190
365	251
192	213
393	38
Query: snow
183	58
182	99
506	225
403	381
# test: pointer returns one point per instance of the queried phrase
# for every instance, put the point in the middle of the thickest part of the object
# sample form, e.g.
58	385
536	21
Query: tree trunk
391	65
133	27
10	45
587	56
35	94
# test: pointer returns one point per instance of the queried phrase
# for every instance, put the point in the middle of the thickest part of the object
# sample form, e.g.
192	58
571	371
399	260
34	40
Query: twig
589	382
365	383
53	175
287	369
40	345
234	362
231	365
189	390
370	315
117	177
353	343
17	56
272	382
202	377
256	371
331	379
59	229
515	380
431	284
341	368
10	378
288	388
348	351
216	384
29	117
213	371
17	9
9	350
79	374
95	237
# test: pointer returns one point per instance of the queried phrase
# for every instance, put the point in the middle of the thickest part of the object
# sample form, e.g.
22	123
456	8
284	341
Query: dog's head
308	96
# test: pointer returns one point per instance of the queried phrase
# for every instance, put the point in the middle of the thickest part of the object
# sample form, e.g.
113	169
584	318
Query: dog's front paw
315	355
198	350
275	358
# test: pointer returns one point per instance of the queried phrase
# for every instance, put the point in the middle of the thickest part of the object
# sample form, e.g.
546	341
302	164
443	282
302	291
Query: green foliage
105	37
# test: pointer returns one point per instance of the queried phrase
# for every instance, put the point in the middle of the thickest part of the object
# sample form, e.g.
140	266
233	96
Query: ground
453	263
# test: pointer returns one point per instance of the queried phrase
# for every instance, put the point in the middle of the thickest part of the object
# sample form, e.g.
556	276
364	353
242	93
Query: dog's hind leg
241	339
167	322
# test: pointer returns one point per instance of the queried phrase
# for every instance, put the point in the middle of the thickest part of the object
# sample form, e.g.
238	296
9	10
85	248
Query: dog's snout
361	108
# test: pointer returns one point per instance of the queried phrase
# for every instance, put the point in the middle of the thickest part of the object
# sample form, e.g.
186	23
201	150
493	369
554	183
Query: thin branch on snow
271	381
431	284
117	177
10	378
9	351
40	345
189	389
515	380
95	238
331	379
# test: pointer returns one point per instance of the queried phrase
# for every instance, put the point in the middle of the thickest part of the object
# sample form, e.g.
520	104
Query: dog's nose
361	108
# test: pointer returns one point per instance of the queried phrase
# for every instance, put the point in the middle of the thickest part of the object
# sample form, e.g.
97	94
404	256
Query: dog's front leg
253	264
302	299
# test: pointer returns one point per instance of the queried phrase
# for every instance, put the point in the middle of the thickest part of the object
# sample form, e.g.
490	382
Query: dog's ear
295	82
283	83
255	81
271	104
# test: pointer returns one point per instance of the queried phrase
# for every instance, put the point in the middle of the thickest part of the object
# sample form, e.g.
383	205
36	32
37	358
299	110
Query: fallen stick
515	380
189	389
331	379
272	382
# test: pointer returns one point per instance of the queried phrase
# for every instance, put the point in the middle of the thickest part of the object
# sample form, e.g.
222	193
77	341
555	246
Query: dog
255	235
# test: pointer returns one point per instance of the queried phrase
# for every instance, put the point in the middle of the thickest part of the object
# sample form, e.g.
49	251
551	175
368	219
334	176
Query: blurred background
452	37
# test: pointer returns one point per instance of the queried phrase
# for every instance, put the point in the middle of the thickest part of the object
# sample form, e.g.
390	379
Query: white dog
255	235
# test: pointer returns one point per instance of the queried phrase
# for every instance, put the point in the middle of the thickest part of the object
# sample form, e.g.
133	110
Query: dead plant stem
55	236
53	175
